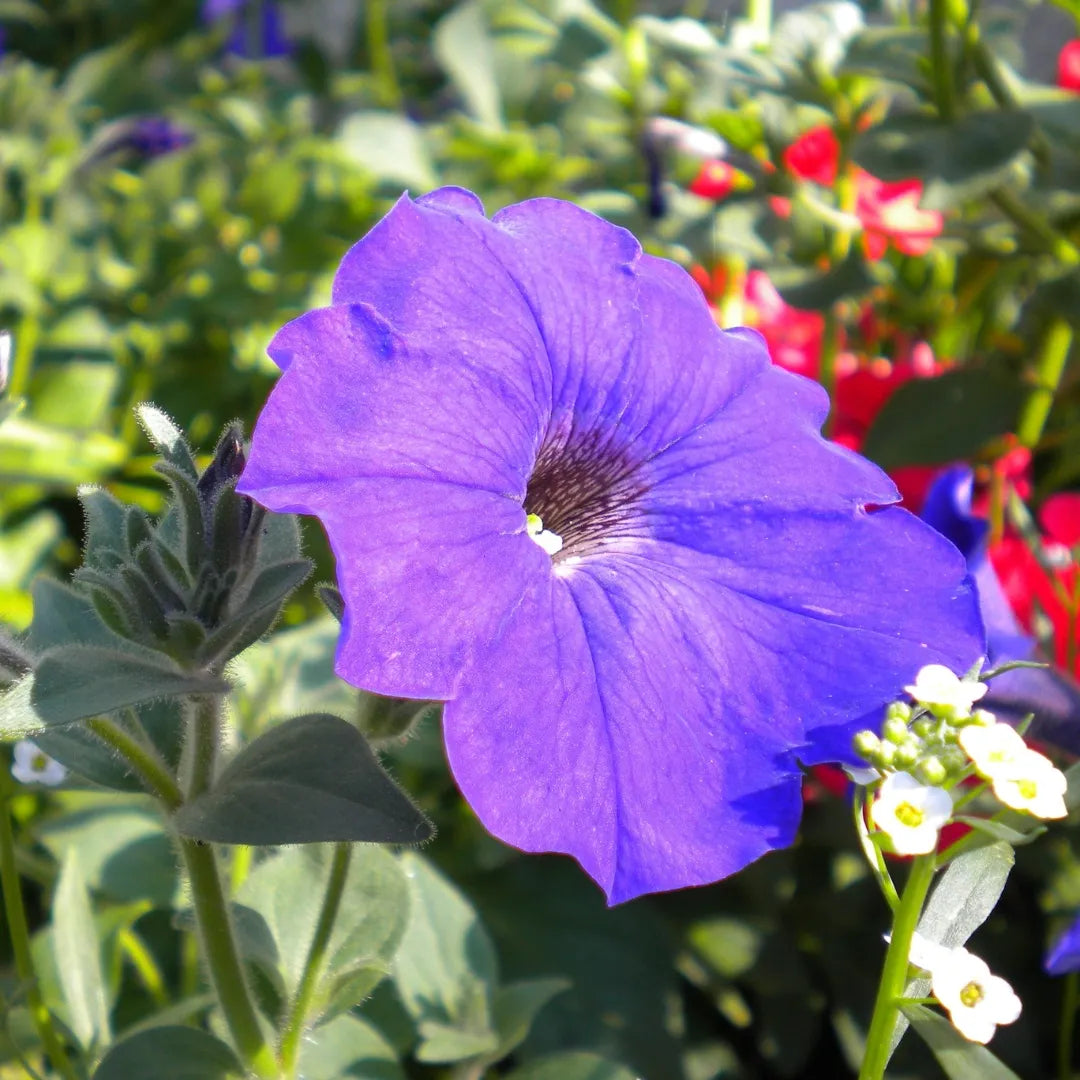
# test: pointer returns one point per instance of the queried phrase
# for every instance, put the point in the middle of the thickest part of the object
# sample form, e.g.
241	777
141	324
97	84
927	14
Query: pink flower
891	211
1068	73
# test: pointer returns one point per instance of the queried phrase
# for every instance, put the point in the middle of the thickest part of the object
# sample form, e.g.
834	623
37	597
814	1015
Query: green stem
222	957
212	908
309	980
19	932
1063	249
205	721
1053	356
872	852
830	346
387	88
940	66
1069	1000
894	974
146	764
22	360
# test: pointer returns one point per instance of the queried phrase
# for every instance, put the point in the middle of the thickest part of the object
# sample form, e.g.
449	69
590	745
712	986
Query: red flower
1068	73
814	156
715	180
1037	593
892	212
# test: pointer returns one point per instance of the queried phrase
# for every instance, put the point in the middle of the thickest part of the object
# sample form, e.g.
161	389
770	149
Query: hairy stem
894	974
309	980
19	932
149	768
222	957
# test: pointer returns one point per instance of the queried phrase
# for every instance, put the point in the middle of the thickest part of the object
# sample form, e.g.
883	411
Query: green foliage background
125	279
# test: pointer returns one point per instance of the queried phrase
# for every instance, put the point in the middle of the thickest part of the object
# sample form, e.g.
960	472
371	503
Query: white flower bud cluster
925	750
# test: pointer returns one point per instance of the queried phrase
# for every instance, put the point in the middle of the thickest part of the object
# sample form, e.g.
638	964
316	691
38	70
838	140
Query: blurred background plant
884	191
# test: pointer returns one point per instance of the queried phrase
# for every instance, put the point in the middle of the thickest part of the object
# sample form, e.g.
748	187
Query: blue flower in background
1048	693
258	32
608	534
1064	954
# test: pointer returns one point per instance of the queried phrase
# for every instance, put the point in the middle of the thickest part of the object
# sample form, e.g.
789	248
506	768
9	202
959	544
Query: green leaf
124	851
573	1066
348	1047
79	681
390	147
445	968
516	1005
62	617
462	44
78	951
956	161
169	1053
935	421
812	290
76	394
167	438
106	527
18	717
958	1058
310	779
283	897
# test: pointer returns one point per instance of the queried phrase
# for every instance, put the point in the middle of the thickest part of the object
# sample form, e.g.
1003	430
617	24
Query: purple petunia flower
1049	693
608	534
258	33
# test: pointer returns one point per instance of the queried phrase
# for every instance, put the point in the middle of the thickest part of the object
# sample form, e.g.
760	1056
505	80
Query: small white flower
685	138
1031	783
34	766
551	542
976	1000
910	813
992	749
943	692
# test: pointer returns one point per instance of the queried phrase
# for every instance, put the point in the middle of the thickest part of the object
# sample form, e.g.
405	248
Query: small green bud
931	771
983	718
923	727
907	754
867	745
954	759
895	730
899	710
885	758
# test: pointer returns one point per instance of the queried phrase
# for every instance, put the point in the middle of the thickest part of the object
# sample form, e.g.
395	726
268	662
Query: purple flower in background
608	534
1064	954
258	31
141	137
1049	693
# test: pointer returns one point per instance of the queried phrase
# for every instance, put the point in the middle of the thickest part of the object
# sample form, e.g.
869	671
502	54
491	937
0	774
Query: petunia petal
375	402
594	727
430	572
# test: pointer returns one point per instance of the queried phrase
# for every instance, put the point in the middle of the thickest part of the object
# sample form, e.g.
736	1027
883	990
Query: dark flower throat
585	488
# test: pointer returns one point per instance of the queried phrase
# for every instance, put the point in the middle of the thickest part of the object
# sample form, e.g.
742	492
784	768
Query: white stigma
551	542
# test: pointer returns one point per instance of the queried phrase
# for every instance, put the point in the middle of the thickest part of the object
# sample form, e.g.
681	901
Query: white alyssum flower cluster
925	751
976	1000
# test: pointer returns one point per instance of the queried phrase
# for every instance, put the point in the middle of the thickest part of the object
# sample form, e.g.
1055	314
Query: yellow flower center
909	815
972	994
